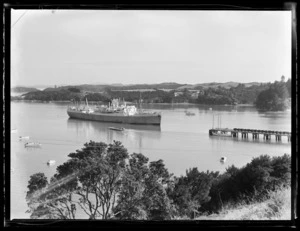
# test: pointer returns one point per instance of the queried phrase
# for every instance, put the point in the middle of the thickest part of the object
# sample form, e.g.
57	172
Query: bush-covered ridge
110	183
275	205
275	97
23	89
270	96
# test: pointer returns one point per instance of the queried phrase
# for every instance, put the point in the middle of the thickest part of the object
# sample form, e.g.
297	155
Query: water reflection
284	140
275	115
132	136
101	125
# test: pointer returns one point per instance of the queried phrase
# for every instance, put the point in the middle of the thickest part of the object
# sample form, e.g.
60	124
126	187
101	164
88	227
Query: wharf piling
266	134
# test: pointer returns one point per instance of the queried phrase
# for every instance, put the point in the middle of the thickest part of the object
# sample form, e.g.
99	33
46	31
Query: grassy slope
276	207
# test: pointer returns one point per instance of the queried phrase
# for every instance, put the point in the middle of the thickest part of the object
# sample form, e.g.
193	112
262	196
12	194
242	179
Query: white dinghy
33	144
23	137
50	162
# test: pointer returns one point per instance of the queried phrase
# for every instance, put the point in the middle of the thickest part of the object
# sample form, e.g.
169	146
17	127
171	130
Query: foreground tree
144	191
92	175
192	191
252	182
97	180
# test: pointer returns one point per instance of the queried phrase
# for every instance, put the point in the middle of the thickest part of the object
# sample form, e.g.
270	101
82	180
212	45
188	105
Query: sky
71	47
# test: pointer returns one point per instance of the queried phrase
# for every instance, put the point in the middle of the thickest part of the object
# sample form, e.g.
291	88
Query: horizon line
78	84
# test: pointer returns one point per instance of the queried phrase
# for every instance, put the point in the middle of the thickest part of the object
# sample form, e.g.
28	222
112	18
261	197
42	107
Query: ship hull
153	119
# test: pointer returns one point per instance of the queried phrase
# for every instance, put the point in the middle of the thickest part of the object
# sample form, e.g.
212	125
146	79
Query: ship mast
219	120
140	101
87	104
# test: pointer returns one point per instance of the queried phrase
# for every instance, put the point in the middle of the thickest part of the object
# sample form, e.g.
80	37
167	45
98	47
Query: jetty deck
267	134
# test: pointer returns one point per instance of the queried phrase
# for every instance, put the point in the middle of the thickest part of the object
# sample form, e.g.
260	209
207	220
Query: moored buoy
223	159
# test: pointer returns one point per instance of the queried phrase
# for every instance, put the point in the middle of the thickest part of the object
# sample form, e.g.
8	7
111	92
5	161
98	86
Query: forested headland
104	181
265	96
277	97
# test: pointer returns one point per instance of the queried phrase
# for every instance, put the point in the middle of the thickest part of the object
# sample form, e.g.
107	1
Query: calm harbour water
181	141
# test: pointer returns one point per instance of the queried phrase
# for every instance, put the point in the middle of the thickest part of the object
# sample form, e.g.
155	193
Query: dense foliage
106	182
97	97
51	95
268	96
275	98
217	96
247	95
148	86
23	89
192	191
156	96
74	89
254	180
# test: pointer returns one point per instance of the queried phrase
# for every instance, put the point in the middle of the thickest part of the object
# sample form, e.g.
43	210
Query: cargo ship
115	113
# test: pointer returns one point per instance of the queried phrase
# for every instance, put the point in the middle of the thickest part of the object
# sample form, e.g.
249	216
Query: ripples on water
181	141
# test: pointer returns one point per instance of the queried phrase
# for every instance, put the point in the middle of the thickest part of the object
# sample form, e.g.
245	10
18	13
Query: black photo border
90	5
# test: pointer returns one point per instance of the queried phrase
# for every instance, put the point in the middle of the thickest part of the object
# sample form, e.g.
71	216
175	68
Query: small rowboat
32	144
116	129
24	137
50	162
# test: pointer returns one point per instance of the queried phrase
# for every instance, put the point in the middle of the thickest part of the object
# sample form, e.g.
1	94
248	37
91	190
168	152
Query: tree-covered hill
57	95
23	89
275	97
266	96
172	86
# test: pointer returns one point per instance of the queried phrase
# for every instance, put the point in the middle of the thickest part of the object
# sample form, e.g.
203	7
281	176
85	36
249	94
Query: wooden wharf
255	133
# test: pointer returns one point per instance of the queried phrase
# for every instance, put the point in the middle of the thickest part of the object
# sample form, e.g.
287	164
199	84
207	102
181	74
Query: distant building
178	93
191	93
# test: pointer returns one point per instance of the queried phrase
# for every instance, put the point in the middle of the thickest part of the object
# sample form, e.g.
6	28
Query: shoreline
68	101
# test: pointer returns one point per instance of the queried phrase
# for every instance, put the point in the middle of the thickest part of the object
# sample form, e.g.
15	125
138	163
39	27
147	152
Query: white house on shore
193	93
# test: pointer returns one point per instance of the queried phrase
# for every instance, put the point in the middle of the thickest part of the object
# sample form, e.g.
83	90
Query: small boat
116	129
50	162
223	159
24	137
32	144
14	130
